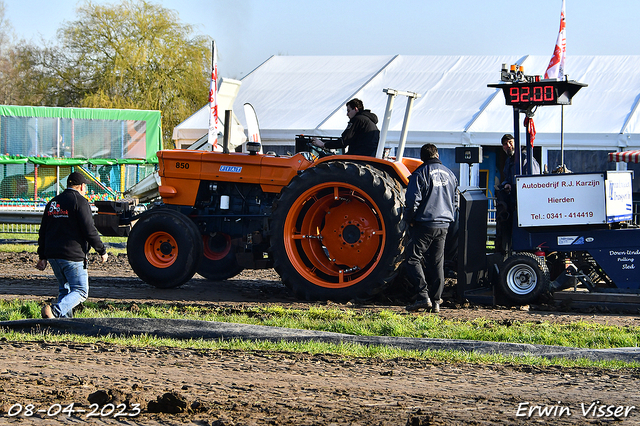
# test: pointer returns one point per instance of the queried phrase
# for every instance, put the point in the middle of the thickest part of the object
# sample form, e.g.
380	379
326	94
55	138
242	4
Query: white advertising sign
619	196
574	199
562	199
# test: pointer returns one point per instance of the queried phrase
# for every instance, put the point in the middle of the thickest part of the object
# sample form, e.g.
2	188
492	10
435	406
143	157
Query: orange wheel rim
216	248
161	249
334	235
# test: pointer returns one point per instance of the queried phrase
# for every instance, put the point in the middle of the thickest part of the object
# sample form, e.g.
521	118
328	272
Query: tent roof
307	94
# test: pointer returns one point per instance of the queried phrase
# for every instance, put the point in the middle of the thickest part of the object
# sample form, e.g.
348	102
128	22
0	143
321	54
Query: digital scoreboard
543	92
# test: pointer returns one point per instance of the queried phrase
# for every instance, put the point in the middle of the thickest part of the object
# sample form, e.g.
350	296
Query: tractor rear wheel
523	278
164	248
219	259
337	232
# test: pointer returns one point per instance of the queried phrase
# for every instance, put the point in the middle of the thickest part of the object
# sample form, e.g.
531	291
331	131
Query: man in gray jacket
429	209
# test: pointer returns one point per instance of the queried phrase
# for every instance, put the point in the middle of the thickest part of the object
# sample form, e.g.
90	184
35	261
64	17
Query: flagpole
562	137
213	100
556	69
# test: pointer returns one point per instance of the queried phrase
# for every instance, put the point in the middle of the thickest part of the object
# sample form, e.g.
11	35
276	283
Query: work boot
419	304
46	312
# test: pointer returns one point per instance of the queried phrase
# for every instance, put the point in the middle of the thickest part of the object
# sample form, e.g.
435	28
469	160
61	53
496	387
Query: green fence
36	180
40	146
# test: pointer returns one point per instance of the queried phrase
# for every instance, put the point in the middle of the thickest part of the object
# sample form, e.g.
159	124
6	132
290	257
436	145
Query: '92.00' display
540	92
537	94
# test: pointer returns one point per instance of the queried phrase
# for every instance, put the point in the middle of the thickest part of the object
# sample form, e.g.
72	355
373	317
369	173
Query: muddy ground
119	385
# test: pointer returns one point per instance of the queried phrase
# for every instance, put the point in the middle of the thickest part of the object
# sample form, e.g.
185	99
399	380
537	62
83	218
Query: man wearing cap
66	233
430	204
506	193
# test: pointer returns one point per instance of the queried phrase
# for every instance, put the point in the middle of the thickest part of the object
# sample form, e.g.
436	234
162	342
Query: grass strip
579	334
346	350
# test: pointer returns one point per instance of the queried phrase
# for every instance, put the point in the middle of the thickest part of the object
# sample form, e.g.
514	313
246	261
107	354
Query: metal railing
19	228
20	221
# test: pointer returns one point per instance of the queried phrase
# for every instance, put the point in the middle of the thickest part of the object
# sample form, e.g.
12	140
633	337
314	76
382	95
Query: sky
248	32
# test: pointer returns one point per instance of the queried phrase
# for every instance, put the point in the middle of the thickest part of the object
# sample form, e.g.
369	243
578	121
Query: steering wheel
320	152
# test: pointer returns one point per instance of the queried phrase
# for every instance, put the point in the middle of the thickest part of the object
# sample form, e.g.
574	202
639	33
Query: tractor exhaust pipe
227	131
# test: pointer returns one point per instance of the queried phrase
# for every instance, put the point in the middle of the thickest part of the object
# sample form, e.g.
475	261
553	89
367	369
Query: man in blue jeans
429	209
66	234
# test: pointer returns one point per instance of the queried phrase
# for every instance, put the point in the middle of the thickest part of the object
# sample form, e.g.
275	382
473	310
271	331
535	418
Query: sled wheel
218	260
337	232
523	278
164	248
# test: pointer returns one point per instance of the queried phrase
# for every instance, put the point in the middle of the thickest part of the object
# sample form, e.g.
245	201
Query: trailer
573	240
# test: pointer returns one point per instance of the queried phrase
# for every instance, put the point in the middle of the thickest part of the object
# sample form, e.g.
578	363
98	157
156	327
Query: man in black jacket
429	209
66	233
506	193
361	135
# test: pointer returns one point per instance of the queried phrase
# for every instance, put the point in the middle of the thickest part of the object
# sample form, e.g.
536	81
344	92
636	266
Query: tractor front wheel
219	259
164	248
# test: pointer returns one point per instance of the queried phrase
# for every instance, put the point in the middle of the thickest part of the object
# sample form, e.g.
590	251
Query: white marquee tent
306	94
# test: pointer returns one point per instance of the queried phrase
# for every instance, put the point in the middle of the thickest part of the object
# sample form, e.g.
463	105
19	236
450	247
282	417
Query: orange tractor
331	226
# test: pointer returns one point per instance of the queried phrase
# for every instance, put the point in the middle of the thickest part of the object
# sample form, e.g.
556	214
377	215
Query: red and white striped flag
557	63
213	99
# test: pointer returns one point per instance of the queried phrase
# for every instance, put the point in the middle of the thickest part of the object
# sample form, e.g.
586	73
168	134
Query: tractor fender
399	170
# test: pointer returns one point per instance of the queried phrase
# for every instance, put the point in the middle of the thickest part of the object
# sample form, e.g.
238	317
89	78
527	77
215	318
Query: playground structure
30	184
40	146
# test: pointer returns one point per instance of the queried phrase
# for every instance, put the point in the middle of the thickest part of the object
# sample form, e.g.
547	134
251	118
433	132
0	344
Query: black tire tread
177	274
537	292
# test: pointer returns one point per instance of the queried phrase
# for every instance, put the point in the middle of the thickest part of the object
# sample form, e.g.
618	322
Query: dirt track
239	388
